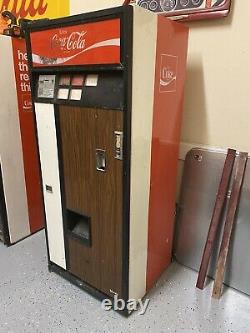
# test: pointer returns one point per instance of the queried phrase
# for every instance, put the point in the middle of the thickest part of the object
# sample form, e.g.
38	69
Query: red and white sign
28	137
83	44
22	75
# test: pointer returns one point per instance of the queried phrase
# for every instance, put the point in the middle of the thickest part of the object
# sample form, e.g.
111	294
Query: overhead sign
34	9
187	10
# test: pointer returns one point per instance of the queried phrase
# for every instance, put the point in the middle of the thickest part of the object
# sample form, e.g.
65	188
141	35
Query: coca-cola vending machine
21	208
108	89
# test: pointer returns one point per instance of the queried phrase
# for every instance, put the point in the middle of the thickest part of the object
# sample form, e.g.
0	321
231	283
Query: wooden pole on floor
218	208
228	228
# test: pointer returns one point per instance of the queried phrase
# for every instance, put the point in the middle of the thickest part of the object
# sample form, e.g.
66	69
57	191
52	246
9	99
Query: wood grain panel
109	199
84	262
94	193
77	128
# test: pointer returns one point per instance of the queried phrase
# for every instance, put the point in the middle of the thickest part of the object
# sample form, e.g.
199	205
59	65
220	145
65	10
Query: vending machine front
108	92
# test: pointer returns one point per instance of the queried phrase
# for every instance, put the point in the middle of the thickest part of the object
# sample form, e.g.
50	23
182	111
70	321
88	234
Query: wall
216	111
217	99
82	6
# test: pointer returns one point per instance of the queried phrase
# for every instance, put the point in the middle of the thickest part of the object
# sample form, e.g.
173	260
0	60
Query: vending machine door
92	168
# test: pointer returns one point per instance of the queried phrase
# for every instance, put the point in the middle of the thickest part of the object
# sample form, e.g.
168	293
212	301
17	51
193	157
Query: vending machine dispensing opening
107	98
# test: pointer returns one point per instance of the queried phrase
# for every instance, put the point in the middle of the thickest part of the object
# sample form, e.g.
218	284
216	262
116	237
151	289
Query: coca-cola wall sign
187	10
83	44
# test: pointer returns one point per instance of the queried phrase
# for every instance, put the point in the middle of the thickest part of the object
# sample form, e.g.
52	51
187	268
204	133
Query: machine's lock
118	145
100	160
49	188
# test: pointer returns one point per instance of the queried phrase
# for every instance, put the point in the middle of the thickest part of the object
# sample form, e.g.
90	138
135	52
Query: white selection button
91	80
76	94
63	93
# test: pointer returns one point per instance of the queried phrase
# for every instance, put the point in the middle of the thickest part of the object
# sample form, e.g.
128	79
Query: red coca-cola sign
83	44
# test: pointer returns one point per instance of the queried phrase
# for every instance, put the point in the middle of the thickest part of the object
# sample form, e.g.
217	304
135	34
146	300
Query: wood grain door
92	193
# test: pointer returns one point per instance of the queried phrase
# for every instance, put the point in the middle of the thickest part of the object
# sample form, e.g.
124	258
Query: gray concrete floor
34	300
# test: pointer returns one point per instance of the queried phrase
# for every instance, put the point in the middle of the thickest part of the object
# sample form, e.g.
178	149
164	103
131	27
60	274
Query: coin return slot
100	160
79	227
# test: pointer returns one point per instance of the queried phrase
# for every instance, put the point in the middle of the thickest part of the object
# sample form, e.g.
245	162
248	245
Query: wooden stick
228	228
219	204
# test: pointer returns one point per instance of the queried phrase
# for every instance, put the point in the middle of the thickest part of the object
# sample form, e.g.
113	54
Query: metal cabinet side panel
145	29
202	173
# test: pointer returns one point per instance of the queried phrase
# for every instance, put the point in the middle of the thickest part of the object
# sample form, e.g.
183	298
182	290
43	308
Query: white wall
82	6
217	103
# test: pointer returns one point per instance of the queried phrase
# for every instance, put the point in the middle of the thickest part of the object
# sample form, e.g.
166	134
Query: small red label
83	44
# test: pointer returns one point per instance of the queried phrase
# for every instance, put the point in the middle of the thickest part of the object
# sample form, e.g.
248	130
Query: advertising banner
90	43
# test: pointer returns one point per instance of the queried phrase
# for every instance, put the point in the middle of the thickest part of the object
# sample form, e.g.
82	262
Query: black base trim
83	285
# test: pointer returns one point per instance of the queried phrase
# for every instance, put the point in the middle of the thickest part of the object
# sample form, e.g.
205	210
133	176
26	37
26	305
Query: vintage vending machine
108	92
21	203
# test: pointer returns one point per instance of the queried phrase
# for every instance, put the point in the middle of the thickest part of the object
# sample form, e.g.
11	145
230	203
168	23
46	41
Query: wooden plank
219	204
228	228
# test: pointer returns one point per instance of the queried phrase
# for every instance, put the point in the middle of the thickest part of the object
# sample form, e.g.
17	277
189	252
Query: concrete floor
34	300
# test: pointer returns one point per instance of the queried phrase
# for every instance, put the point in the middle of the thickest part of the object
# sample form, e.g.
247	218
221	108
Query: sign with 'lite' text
82	44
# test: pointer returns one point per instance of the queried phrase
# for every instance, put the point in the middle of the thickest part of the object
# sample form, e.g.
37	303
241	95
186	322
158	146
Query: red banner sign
83	44
27	127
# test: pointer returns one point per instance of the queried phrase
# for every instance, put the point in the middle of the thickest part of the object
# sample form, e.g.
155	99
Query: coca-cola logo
75	41
24	8
168	77
26	102
167	74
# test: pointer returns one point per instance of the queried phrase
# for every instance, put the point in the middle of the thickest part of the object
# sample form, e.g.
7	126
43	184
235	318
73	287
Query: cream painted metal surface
11	155
141	141
201	179
47	140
